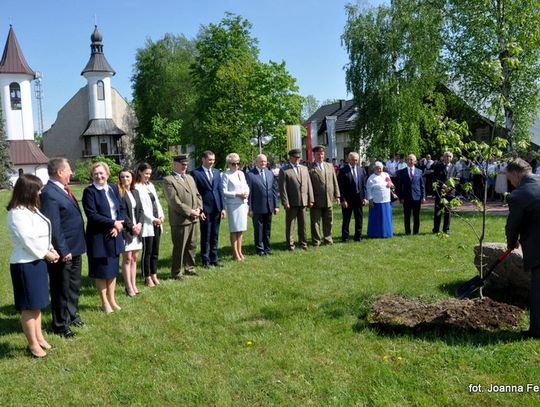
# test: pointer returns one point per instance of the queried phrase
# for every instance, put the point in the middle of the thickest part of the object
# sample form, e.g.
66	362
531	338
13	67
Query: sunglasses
235	163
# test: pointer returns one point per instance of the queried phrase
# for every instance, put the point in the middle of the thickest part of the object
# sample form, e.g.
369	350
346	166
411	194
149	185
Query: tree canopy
238	94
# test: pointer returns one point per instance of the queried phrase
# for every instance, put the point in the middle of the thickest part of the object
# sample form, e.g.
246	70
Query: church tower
16	94
15	87
101	135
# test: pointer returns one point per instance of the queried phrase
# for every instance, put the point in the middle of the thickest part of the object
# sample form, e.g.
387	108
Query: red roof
13	59
23	152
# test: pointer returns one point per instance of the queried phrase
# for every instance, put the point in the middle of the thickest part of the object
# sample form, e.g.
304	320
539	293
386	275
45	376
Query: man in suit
208	181
62	209
352	186
523	225
325	193
296	195
442	172
263	202
185	209
412	193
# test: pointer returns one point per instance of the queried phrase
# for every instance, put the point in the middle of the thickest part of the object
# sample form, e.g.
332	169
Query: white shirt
376	188
148	214
112	204
30	233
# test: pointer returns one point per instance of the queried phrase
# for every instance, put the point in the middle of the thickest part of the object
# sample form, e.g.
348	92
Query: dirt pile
478	313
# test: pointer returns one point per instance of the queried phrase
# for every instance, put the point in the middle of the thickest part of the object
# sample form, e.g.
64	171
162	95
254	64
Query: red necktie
70	194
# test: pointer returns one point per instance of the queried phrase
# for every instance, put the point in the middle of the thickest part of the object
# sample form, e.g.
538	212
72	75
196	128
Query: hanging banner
294	137
331	133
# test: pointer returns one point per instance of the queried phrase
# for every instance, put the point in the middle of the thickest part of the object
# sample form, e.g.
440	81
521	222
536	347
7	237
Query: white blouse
377	189
30	233
234	183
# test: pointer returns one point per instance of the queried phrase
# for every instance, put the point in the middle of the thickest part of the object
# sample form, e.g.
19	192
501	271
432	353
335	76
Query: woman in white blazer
152	226
235	193
30	233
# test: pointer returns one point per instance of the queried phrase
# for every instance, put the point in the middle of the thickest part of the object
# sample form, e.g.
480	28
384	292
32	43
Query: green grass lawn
288	329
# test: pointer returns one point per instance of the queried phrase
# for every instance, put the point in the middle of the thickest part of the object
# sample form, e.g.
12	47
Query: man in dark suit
412	193
325	193
442	172
62	209
208	181
263	202
185	208
352	187
296	194
523	225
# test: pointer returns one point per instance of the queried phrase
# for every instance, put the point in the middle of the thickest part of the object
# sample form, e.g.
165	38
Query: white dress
237	208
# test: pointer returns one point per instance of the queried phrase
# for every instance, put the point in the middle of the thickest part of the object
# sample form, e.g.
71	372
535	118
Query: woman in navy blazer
105	213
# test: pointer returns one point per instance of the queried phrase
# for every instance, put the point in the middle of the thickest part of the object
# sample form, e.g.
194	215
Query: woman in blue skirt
378	189
104	241
30	233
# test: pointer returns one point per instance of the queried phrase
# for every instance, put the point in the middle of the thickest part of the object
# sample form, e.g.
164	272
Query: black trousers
534	325
209	238
414	207
262	227
150	254
65	284
441	211
358	221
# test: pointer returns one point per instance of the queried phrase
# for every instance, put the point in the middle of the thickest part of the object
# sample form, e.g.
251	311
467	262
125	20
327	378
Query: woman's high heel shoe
128	294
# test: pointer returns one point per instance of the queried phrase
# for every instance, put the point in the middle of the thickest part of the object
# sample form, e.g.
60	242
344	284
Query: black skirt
30	285
103	268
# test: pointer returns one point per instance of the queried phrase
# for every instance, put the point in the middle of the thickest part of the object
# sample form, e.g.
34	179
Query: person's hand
118	225
67	257
423	200
276	211
113	232
223	214
195	213
136	230
344	204
202	216
52	256
310	205
250	214
371	203
287	206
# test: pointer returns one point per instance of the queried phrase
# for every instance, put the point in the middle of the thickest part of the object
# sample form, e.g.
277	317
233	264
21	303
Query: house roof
13	59
343	109
97	61
23	152
102	127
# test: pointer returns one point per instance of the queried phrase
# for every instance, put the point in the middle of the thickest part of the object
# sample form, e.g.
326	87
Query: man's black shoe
206	266
217	264
192	272
78	322
68	333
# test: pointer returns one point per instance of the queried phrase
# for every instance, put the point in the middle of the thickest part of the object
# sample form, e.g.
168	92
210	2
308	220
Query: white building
16	94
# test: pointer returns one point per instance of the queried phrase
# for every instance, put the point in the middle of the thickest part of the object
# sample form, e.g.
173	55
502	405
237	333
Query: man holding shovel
523	224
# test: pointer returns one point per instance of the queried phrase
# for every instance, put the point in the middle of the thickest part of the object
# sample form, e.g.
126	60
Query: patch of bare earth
478	313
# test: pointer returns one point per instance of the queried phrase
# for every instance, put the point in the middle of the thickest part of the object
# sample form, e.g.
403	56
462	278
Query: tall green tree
5	160
493	57
163	89
394	68
237	95
309	106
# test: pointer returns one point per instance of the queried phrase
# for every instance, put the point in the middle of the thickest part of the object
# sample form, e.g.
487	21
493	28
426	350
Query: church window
15	96
100	90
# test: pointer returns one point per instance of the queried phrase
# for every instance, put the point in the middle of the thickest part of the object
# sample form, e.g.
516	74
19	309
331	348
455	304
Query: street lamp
261	138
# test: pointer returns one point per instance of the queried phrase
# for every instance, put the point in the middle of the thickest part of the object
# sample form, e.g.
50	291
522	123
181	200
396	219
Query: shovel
466	289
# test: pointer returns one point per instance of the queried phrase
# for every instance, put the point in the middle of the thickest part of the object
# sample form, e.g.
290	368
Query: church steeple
97	61
13	60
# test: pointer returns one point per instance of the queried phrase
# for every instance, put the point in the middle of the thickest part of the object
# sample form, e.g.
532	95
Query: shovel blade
466	289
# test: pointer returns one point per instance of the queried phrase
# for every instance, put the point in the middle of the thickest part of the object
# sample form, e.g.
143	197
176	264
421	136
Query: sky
55	38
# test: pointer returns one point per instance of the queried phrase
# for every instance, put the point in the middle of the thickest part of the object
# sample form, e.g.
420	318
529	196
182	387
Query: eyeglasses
235	163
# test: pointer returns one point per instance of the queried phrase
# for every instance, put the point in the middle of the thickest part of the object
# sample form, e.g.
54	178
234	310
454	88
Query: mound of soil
478	313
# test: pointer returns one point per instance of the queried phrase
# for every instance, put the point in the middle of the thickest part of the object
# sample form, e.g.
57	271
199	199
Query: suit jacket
352	192
99	222
211	193
263	197
295	190
130	221
441	174
30	233
523	220
66	220
410	190
182	196
325	185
